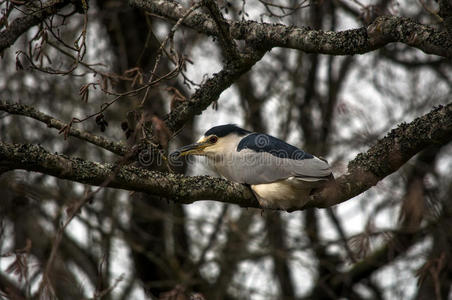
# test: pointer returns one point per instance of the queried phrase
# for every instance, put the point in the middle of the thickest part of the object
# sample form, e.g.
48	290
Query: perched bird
280	175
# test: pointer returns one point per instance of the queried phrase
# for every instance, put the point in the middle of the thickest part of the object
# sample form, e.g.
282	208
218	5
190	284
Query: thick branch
384	30
404	238
227	43
180	188
28	111
386	157
211	89
20	25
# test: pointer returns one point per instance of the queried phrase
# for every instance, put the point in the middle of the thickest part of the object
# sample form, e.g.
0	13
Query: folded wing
263	159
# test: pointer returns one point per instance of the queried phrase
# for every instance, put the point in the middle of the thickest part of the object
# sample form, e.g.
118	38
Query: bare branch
384	30
227	43
180	188
22	24
211	89
406	236
28	111
387	156
381	160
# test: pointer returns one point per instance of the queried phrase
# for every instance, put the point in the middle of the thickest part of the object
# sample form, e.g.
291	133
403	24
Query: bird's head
218	140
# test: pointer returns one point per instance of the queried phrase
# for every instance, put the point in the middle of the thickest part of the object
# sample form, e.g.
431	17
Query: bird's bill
196	148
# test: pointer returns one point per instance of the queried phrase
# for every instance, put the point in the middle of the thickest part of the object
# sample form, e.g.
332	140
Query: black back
260	142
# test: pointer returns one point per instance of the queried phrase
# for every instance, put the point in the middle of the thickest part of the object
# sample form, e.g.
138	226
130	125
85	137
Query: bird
280	175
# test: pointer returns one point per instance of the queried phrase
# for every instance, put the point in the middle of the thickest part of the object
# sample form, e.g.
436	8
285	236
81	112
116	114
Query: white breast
283	194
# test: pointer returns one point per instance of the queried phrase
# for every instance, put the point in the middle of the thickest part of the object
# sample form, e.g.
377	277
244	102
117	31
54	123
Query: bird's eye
213	139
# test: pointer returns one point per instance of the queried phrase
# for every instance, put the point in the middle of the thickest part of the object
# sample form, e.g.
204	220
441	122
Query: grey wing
262	167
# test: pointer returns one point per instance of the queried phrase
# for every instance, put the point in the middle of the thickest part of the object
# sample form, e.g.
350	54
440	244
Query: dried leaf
66	130
84	92
136	75
101	122
19	267
124	125
19	65
177	97
178	293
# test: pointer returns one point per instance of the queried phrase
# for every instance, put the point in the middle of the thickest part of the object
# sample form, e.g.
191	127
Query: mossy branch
381	160
384	30
387	156
51	122
21	25
179	188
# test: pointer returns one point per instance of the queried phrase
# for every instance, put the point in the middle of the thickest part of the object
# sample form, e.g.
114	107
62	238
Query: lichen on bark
382	159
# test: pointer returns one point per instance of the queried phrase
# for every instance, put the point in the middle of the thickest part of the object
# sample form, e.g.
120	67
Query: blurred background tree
121	71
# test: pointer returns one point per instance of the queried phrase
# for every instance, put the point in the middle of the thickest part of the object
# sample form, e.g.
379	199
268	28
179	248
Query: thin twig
31	112
163	45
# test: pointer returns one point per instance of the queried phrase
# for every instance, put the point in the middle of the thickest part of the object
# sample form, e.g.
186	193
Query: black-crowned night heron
280	175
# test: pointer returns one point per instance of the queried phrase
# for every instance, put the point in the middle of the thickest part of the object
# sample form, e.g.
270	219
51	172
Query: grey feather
248	166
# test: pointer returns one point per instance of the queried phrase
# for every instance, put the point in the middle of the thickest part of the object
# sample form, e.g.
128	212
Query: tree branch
405	237
386	157
212	88
180	188
445	12
384	30
29	111
227	43
20	25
